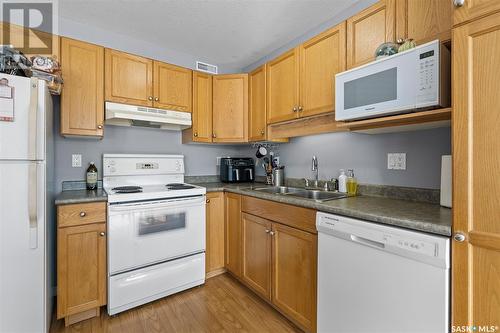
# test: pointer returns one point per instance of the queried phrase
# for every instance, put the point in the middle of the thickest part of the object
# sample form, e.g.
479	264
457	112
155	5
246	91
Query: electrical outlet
396	161
76	160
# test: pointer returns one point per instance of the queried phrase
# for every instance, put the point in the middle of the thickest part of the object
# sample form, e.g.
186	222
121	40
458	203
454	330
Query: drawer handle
83	214
102	234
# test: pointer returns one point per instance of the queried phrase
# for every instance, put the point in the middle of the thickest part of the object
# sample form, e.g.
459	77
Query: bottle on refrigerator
352	184
342	181
92	177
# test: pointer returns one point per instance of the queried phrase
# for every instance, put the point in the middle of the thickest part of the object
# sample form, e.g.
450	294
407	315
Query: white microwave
409	81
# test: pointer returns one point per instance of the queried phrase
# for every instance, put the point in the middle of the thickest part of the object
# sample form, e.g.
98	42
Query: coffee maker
237	169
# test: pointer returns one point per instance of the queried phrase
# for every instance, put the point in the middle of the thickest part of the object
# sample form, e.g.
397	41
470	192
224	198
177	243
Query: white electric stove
156	229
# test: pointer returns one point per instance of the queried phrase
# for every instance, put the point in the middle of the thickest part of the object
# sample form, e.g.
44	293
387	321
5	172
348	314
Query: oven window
154	224
372	89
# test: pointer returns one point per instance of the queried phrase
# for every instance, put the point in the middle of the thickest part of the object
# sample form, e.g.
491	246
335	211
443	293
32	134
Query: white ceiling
232	33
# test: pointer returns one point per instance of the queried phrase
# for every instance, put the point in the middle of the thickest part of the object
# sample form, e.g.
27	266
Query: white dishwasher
374	278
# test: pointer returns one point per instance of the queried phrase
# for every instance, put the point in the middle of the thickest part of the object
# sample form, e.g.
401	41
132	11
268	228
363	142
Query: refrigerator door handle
32	120
32	205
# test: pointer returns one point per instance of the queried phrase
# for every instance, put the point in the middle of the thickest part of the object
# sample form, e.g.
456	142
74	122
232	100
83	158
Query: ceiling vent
207	68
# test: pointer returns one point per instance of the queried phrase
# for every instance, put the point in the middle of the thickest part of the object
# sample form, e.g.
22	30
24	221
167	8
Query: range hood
130	115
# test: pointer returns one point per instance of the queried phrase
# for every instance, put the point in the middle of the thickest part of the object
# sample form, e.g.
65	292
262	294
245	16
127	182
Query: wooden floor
221	305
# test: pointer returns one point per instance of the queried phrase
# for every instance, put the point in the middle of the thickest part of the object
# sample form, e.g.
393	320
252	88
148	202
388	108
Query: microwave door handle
33	120
32	205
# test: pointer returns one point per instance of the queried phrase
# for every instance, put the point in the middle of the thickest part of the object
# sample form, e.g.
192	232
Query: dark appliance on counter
237	169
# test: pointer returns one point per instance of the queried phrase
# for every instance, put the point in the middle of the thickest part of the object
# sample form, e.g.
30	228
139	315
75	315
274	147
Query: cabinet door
256	256
173	87
81	268
423	20
283	87
233	233
202	107
476	153
82	100
128	78
230	108
214	254
257	104
367	30
294	272
320	59
474	9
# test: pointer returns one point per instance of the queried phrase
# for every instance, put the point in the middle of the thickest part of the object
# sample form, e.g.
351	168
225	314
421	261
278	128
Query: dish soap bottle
342	181
92	177
352	184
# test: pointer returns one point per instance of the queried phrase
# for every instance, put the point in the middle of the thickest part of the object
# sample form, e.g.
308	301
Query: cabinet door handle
268	231
294	109
262	132
271	233
301	109
214	136
156	99
150	98
459	237
208	200
458	3
83	214
195	134
99	126
102	234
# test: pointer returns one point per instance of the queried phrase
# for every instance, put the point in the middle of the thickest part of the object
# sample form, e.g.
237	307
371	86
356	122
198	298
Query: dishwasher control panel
414	245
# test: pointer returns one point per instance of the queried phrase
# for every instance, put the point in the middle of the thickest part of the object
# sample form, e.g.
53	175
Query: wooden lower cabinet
256	256
215	234
81	265
294	274
233	233
279	262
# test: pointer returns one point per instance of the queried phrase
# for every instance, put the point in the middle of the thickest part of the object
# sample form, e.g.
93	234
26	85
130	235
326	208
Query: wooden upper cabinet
128	78
368	29
215	245
82	100
230	108
474	9
172	87
257	104
232	204
423	20
294	274
256	256
283	87
202	107
476	152
320	59
81	267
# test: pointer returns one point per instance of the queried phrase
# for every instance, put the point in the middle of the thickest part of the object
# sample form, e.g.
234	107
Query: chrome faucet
314	168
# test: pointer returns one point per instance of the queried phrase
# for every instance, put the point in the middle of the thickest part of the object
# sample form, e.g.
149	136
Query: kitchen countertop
80	196
419	216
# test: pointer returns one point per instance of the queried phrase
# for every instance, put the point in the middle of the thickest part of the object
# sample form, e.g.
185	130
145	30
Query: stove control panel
146	166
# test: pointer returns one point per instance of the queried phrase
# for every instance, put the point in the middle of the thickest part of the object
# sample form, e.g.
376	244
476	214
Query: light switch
396	161
76	160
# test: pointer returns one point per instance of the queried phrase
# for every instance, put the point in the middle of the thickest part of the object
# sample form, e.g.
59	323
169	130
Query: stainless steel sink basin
302	193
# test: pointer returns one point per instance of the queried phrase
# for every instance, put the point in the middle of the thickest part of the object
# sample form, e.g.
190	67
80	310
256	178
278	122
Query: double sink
316	195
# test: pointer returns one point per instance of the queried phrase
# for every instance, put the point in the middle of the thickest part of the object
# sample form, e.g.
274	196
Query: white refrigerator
26	205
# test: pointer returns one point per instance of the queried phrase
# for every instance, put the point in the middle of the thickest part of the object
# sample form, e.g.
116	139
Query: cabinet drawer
78	214
297	217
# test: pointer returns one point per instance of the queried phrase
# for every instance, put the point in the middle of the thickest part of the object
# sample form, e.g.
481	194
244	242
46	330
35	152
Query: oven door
145	233
383	87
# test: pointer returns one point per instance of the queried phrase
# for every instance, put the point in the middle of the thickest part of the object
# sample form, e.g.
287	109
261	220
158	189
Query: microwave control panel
427	78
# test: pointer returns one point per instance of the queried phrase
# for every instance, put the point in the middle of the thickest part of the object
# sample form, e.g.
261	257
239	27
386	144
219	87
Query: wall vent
207	68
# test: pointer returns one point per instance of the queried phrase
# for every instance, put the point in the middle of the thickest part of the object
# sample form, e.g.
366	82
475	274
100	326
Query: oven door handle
168	203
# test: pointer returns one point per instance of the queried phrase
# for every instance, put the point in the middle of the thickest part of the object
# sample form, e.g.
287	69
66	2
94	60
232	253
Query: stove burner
179	186
127	189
